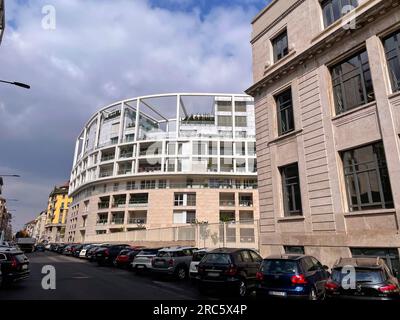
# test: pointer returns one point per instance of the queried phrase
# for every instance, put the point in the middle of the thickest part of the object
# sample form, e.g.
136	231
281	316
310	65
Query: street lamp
18	84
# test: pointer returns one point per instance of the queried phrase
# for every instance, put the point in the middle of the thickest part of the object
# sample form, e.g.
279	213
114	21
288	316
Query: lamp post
18	84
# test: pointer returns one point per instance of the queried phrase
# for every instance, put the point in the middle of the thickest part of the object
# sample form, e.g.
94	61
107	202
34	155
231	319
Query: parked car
197	256
77	250
126	256
14	265
373	280
67	250
142	261
91	253
60	248
40	248
48	246
174	261
107	255
292	276
84	251
231	269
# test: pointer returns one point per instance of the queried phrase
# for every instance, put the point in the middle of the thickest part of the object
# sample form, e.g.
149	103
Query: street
80	279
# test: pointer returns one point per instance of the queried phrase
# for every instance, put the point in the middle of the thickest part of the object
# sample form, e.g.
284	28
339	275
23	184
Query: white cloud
103	51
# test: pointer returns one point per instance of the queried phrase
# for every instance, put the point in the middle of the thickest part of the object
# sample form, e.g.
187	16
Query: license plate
140	267
159	263
24	267
213	274
277	293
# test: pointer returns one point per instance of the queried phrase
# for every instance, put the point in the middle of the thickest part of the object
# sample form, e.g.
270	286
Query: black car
39	248
230	269
292	276
107	255
91	253
14	266
372	280
60	248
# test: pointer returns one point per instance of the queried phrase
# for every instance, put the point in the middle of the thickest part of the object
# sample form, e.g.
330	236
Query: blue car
292	276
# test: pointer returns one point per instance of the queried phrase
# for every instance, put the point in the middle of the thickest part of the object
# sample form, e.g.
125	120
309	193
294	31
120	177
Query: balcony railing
117	221
245	203
137	220
108	158
126	155
105	174
138	203
125	171
227	203
103	205
119	204
102	222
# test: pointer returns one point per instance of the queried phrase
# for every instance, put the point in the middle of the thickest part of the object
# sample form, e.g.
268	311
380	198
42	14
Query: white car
197	256
85	248
142	261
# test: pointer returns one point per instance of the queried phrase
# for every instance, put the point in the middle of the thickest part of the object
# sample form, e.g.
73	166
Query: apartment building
327	104
56	214
165	161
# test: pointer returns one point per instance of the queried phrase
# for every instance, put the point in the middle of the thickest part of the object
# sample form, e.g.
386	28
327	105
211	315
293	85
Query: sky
98	52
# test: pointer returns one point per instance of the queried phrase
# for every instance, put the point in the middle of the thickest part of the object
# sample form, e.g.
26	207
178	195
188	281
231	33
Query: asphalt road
80	279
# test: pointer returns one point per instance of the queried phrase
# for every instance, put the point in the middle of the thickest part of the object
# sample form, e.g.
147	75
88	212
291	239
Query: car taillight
106	252
13	262
231	271
200	269
391	288
259	276
299	279
331	286
171	262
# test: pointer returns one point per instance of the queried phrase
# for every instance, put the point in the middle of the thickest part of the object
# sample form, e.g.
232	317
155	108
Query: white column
121	124
137	123
84	142
178	111
97	137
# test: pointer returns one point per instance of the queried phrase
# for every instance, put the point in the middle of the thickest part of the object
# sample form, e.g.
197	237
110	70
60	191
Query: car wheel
313	295
181	273
242	290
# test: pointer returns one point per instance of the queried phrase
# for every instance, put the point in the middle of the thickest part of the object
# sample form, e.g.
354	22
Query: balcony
138	203
137	221
101	222
227	203
246	203
104	174
117	221
103	205
108	157
124	172
126	155
119	204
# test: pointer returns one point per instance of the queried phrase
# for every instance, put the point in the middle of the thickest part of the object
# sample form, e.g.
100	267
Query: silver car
142	261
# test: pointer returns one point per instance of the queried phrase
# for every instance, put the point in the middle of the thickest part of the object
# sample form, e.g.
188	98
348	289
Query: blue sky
100	52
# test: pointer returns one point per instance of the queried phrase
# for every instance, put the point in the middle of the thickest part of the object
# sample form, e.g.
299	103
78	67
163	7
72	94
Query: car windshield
362	275
162	254
20	258
148	252
217	258
197	256
124	252
279	267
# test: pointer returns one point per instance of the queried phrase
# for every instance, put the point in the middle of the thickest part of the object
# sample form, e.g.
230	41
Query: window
130	185
291	190
224	106
178	201
294	249
240	106
367	179
333	10
241	121
392	50
162	184
148	184
281	46
352	83
225	121
184	216
285	112
185	199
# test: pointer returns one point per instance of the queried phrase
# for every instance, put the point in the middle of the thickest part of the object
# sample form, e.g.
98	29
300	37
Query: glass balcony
105	174
117	221
101	222
137	220
119	204
103	205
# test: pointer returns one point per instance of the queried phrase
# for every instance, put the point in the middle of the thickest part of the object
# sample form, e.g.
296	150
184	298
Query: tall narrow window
285	112
281	46
352	83
333	10
291	190
367	178
392	49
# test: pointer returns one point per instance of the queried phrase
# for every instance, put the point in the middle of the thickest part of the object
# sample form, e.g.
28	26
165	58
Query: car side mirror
326	268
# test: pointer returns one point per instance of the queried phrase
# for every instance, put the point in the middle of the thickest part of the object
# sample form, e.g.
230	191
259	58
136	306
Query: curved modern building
164	160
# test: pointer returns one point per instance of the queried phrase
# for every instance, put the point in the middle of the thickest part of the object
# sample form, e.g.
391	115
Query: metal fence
238	234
